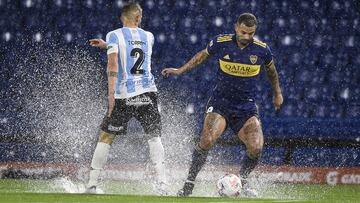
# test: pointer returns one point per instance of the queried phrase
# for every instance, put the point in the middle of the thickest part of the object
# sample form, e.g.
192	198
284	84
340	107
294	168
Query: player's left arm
273	77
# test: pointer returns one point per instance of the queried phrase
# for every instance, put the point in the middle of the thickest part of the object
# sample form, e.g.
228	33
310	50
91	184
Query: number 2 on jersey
136	69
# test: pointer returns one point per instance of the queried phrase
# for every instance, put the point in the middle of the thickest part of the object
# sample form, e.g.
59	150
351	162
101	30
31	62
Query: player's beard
244	42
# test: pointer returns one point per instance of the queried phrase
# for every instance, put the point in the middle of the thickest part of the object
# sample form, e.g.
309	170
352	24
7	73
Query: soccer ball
229	186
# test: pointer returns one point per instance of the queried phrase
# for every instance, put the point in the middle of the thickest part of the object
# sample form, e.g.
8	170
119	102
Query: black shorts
143	107
235	113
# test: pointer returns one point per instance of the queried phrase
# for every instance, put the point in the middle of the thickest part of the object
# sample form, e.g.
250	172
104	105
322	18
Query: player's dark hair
130	7
248	19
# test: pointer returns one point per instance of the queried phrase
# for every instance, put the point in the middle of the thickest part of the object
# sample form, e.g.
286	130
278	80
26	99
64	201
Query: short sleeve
112	43
152	39
213	47
268	57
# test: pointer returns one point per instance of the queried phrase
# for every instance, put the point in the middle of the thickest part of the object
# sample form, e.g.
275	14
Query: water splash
62	99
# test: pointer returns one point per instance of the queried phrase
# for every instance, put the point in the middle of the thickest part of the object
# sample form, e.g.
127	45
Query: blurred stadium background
53	86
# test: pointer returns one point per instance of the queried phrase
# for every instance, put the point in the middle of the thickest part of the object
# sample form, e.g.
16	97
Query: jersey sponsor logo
239	69
253	59
114	128
139	101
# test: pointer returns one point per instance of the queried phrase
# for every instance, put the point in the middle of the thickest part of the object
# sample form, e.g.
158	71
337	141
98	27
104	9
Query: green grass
47	191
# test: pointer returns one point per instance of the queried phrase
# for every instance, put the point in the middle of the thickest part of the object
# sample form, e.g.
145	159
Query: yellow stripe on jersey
260	43
239	69
224	38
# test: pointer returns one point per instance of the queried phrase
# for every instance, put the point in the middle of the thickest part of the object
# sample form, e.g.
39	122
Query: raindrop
193	38
37	37
7	36
161	37
218	21
190	109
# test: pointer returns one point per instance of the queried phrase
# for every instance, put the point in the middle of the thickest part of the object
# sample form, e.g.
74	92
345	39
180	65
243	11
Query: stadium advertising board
278	174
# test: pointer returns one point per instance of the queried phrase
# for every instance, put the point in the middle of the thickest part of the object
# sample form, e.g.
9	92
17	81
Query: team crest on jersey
253	59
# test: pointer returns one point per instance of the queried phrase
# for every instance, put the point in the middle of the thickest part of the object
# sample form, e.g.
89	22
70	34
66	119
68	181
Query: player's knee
255	151
106	137
206	143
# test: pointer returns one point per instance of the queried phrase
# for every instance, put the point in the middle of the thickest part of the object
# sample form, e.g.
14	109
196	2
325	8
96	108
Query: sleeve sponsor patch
112	48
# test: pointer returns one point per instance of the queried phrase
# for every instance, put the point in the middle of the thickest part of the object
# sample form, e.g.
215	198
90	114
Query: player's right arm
112	74
112	68
196	60
98	43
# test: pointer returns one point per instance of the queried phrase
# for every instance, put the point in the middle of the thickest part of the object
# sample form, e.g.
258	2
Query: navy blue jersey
239	68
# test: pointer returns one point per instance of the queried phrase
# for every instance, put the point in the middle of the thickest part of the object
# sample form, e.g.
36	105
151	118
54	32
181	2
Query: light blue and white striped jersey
134	49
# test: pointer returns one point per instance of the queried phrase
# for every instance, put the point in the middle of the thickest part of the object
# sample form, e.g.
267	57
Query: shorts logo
115	129
210	109
253	59
139	101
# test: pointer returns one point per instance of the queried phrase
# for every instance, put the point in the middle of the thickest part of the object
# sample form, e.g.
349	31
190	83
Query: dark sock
198	160
247	165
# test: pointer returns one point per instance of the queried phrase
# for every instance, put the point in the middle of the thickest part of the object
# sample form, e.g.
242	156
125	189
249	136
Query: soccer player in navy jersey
232	103
131	93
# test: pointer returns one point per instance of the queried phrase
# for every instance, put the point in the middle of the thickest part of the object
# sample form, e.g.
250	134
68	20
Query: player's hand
171	71
111	101
277	101
98	43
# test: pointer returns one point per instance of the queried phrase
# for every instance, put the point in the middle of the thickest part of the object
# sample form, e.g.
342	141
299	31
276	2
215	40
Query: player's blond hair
130	10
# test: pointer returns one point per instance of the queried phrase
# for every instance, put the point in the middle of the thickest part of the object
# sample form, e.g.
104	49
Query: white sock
157	157
98	162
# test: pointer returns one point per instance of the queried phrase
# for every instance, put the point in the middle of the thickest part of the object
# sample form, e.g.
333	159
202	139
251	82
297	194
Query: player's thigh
251	133
214	127
149	116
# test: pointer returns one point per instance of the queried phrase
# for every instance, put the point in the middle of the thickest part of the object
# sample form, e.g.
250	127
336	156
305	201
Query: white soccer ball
229	186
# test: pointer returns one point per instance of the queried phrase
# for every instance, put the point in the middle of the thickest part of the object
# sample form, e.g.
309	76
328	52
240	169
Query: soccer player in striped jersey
232	103
131	93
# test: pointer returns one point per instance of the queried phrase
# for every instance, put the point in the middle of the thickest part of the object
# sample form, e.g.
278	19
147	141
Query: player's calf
157	157
251	135
198	160
99	159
